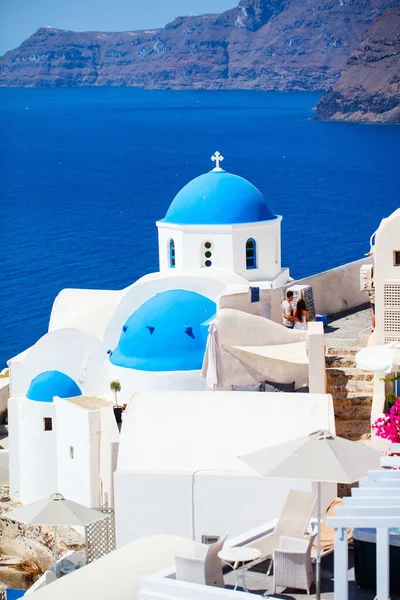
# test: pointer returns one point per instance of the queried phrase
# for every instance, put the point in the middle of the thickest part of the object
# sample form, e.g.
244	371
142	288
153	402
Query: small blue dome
52	383
218	198
166	333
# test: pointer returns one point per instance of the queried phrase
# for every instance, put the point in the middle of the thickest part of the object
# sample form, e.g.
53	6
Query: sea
86	172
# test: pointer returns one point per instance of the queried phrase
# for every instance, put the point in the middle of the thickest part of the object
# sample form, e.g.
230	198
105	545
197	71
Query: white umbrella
381	359
212	364
55	511
320	456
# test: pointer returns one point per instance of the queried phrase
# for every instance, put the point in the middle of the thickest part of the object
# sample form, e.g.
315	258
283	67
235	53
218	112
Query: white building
386	277
178	467
219	239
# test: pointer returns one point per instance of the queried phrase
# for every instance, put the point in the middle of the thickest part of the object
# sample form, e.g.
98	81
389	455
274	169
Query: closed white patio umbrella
55	511
212	365
321	457
380	359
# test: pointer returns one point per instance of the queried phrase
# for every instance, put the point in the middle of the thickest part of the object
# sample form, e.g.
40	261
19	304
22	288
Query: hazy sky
20	18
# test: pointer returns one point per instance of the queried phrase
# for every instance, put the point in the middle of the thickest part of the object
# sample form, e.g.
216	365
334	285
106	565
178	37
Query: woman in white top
301	315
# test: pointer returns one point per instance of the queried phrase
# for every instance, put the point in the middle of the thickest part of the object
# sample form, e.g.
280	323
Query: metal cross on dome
217	158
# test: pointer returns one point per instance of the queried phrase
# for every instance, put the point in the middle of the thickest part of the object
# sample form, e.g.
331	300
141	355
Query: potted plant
388	428
115	387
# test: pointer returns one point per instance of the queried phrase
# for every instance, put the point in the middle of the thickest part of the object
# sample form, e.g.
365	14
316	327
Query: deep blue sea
85	173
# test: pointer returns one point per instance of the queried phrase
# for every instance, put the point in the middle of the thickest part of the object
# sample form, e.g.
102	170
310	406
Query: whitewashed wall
210	285
180	450
220	503
33	451
387	241
78	477
109	445
228	247
334	291
65	350
237	328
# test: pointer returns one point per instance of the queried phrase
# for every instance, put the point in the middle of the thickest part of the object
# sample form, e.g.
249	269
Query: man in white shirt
287	311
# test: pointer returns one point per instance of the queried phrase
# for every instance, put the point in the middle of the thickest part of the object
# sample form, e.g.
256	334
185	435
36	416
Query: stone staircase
351	389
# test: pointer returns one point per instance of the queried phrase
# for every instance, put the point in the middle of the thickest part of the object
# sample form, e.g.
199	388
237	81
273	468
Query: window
251	258
71	452
210	539
207	249
48	423
172	254
396	258
255	294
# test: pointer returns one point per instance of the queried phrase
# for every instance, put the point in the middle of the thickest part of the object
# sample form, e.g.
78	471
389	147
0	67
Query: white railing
375	504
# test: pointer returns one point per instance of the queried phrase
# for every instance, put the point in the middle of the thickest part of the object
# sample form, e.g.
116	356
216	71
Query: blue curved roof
166	333
52	383
218	198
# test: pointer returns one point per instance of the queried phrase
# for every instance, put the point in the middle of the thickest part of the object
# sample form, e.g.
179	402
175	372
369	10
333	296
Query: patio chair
293	522
204	568
292	564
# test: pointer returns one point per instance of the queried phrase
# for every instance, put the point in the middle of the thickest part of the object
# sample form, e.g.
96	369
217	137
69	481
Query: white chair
292	564
204	568
293	522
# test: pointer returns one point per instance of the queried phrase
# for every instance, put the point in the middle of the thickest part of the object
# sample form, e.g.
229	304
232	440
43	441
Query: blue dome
52	383
218	198
166	333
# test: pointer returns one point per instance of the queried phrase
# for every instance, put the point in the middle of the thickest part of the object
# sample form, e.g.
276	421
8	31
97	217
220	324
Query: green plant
391	397
115	387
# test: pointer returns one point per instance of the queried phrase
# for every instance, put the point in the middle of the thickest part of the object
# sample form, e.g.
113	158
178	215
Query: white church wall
89	310
78	453
228	247
33	451
133	381
65	350
211	286
267	237
189	245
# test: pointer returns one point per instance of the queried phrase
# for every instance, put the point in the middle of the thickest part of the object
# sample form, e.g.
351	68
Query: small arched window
251	254
171	253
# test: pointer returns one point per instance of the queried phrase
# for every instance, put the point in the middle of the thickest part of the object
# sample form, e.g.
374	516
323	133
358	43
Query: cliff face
260	44
368	90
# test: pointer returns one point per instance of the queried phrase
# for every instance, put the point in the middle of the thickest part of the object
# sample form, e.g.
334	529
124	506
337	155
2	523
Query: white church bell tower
220	220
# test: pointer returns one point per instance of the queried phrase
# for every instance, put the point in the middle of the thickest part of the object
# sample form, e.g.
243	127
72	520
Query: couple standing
297	318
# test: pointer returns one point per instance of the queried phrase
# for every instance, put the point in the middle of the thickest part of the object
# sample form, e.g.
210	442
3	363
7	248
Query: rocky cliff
369	88
260	44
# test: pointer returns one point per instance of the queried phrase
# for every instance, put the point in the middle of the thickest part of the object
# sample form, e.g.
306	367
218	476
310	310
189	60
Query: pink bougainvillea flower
388	427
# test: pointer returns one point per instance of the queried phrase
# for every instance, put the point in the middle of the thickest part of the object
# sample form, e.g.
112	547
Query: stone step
342	350
350	385
336	375
349	410
340	361
353	429
355	397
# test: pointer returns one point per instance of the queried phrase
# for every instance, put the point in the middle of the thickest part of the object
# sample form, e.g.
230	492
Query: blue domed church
219	247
